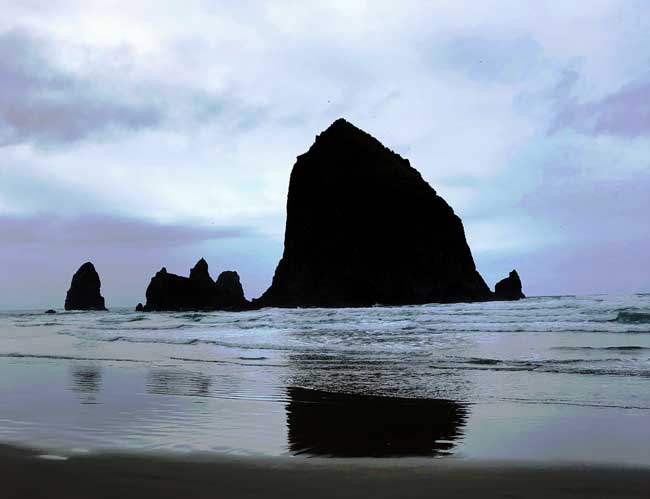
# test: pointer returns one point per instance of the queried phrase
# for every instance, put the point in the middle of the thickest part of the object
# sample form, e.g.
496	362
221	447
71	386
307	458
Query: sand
28	474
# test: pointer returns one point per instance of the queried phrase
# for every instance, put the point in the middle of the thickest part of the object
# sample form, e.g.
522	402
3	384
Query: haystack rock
84	292
364	228
509	288
197	292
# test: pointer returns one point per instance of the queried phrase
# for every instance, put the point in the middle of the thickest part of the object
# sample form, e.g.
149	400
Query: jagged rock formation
228	282
364	228
197	292
509	288
84	291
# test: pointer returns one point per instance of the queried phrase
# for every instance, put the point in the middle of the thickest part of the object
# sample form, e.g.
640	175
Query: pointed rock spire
84	292
200	270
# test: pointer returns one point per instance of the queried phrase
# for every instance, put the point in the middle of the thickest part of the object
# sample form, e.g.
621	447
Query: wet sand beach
26	475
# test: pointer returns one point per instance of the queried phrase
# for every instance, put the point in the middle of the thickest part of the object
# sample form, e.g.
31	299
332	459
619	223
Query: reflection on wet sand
174	382
342	425
86	380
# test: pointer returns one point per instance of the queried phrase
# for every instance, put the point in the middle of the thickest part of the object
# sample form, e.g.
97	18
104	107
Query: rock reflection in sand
342	425
174	382
87	381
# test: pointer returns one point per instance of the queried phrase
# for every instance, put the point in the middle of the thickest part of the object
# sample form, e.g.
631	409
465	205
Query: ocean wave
622	348
216	361
196	317
140	328
631	373
37	324
524	364
269	347
549	369
573	403
137	319
62	357
180	341
482	361
633	317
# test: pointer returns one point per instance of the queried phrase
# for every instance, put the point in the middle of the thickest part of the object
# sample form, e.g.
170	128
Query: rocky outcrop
84	292
139	307
364	228
509	288
197	292
50	311
229	285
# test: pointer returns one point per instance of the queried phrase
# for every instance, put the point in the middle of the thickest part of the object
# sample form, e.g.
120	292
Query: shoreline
30	473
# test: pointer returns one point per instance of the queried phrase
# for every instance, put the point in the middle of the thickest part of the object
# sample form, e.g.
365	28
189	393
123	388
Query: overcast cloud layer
141	134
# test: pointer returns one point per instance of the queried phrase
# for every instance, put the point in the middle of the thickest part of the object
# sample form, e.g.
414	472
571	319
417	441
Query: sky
144	134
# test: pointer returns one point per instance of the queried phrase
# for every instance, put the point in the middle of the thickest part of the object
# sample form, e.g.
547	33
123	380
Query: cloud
46	102
88	230
43	103
623	113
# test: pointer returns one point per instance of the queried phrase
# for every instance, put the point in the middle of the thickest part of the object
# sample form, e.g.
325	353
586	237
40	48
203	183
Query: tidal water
550	378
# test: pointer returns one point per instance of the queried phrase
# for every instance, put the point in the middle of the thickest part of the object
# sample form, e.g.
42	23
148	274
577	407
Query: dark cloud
44	104
108	230
624	113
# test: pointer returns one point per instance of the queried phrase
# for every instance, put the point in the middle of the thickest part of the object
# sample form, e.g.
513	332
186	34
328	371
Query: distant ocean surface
546	378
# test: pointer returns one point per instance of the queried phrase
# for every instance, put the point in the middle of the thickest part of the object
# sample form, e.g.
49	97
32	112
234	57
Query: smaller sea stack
509	288
171	292
84	292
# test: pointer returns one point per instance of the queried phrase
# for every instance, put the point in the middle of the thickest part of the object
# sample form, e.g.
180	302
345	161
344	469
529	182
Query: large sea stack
84	291
364	228
197	292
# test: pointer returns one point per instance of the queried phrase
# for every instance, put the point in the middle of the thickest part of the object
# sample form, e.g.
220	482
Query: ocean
554	379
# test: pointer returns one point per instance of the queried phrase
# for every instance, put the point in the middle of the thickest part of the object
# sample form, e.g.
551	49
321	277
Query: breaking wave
633	317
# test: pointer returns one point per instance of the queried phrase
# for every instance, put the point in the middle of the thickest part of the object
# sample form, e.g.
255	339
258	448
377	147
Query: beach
25	475
547	396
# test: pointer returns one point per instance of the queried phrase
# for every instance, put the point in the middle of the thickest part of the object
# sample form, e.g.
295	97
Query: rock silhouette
50	311
197	292
139	308
364	228
84	292
351	425
509	288
228	282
